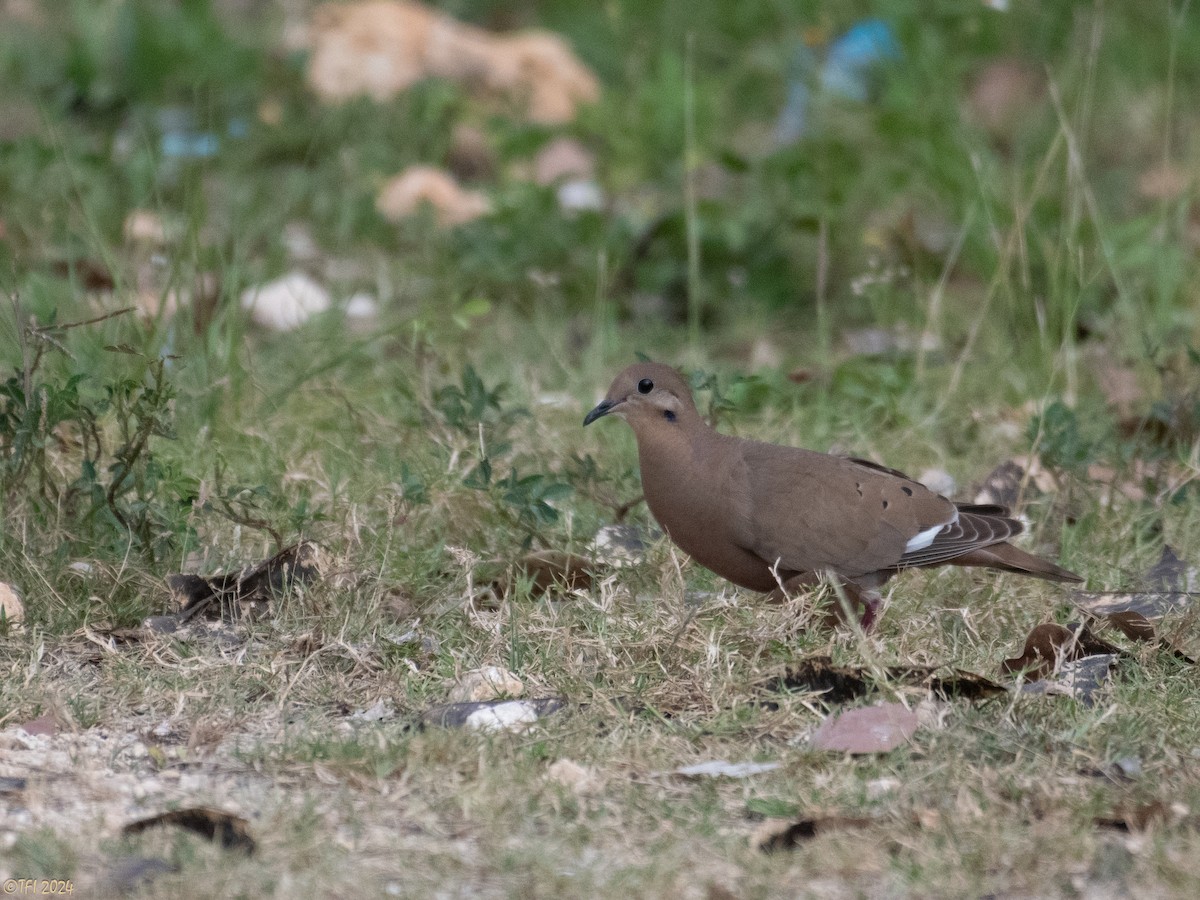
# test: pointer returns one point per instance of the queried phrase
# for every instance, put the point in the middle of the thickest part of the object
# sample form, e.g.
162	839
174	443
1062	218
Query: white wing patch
923	539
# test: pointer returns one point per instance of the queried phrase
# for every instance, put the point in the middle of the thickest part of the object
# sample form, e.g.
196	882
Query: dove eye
645	386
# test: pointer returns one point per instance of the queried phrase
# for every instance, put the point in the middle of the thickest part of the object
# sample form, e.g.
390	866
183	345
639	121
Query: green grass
443	442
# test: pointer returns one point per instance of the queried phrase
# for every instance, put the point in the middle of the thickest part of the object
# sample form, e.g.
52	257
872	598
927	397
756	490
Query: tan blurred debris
570	774
1166	181
1119	383
382	47
1002	94
144	226
404	195
563	158
487	683
12	610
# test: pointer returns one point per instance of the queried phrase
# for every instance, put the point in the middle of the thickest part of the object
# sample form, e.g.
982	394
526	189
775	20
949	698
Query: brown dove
773	518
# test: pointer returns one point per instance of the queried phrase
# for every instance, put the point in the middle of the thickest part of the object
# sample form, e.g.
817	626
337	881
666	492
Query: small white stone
361	306
578	195
515	715
286	303
939	481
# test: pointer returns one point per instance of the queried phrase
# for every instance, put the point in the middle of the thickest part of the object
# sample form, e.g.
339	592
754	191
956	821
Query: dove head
649	396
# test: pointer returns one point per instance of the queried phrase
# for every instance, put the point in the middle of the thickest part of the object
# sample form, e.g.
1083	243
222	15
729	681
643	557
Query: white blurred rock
361	306
578	195
939	481
286	303
484	684
513	716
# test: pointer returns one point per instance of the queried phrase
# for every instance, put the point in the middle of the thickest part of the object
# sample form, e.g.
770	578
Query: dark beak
602	409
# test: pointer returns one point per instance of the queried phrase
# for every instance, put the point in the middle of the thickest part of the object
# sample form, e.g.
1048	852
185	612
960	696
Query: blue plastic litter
845	72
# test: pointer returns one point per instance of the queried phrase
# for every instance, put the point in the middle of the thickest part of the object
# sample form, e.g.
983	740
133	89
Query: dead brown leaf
548	572
1080	679
1153	605
839	684
774	835
251	590
230	831
1137	817
94	274
1048	646
471	156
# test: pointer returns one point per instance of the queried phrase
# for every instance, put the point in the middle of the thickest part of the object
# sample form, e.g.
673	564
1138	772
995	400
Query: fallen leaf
719	768
839	684
870	729
251	590
1048	646
787	834
548	572
228	830
94	275
1080	679
405	194
1152	605
1137	817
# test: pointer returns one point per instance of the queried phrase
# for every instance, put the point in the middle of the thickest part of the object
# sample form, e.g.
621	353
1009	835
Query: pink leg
866	600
